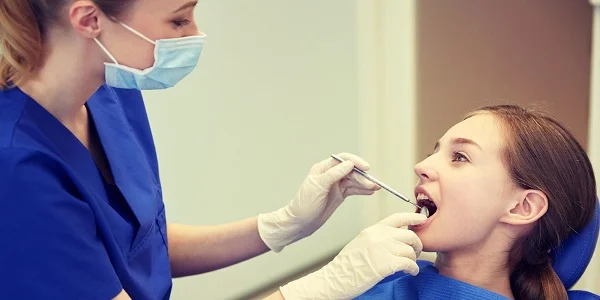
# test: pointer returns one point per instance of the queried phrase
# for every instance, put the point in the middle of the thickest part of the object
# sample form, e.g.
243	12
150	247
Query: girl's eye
456	156
180	23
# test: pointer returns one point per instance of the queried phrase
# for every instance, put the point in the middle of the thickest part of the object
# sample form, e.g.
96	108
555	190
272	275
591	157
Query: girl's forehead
484	129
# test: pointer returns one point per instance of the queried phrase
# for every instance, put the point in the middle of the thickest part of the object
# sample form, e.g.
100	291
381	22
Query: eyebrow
458	141
187	5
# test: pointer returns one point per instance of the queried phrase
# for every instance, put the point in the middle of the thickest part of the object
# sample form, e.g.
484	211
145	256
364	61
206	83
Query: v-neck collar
127	163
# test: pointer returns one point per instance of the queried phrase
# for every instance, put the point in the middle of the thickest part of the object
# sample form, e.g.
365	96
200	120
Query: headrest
573	256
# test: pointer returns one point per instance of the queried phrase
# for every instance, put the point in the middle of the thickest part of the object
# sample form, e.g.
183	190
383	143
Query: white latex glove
377	252
327	185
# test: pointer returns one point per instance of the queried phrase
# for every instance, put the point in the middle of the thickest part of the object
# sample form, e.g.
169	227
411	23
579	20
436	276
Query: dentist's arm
122	296
275	296
199	249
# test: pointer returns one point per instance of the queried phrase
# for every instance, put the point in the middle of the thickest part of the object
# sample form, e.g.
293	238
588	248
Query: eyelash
180	23
456	156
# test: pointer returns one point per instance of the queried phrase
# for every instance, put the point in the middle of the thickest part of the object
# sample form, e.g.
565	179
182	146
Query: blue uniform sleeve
50	247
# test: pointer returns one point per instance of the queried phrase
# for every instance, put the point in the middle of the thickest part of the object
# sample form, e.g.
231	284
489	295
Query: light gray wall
275	92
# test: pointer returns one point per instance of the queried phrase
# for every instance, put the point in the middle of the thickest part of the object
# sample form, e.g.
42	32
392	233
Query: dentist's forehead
169	6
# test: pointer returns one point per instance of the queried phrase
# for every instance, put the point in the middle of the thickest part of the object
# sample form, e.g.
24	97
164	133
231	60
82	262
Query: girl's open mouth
428	207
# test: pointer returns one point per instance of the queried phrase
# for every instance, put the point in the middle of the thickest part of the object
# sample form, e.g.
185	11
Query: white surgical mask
173	60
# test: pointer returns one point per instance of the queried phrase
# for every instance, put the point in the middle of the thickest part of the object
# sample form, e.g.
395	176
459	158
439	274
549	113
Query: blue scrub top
66	233
429	284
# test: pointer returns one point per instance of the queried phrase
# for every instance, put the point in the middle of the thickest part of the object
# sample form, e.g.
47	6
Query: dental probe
383	185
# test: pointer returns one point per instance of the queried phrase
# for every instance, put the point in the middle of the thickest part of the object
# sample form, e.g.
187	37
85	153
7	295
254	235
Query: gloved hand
377	252
327	185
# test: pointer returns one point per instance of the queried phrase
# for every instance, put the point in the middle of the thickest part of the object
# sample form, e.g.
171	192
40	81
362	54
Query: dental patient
503	188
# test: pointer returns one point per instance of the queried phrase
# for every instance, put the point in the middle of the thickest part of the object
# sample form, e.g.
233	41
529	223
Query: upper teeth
422	196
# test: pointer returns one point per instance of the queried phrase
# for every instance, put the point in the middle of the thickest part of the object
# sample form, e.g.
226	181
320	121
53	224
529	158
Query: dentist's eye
459	157
180	23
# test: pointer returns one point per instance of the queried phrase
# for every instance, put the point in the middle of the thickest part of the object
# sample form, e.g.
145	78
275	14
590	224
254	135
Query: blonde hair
20	42
23	24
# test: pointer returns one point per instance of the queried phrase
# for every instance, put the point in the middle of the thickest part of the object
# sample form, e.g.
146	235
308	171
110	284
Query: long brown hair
23	25
541	154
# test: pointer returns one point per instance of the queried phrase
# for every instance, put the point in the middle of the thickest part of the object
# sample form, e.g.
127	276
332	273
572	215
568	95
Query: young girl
504	187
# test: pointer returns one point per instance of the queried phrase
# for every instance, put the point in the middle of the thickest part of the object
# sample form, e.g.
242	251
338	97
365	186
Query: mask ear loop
137	33
106	51
132	31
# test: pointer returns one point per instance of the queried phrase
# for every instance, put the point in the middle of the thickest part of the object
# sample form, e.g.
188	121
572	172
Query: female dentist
81	210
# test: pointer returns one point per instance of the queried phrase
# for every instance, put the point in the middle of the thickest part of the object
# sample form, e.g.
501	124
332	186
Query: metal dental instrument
376	181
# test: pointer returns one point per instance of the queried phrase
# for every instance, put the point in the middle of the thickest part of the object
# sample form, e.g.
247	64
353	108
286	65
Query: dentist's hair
23	29
541	154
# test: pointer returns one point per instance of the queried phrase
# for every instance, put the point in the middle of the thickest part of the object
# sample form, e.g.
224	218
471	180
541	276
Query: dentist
81	208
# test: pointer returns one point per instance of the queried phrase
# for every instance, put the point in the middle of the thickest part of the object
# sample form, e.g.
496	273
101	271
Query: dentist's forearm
199	249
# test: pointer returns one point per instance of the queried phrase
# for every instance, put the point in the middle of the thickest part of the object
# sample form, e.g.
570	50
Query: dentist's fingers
403	219
357	192
335	174
360	181
409	238
396	221
355	180
358	161
406	265
402	250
